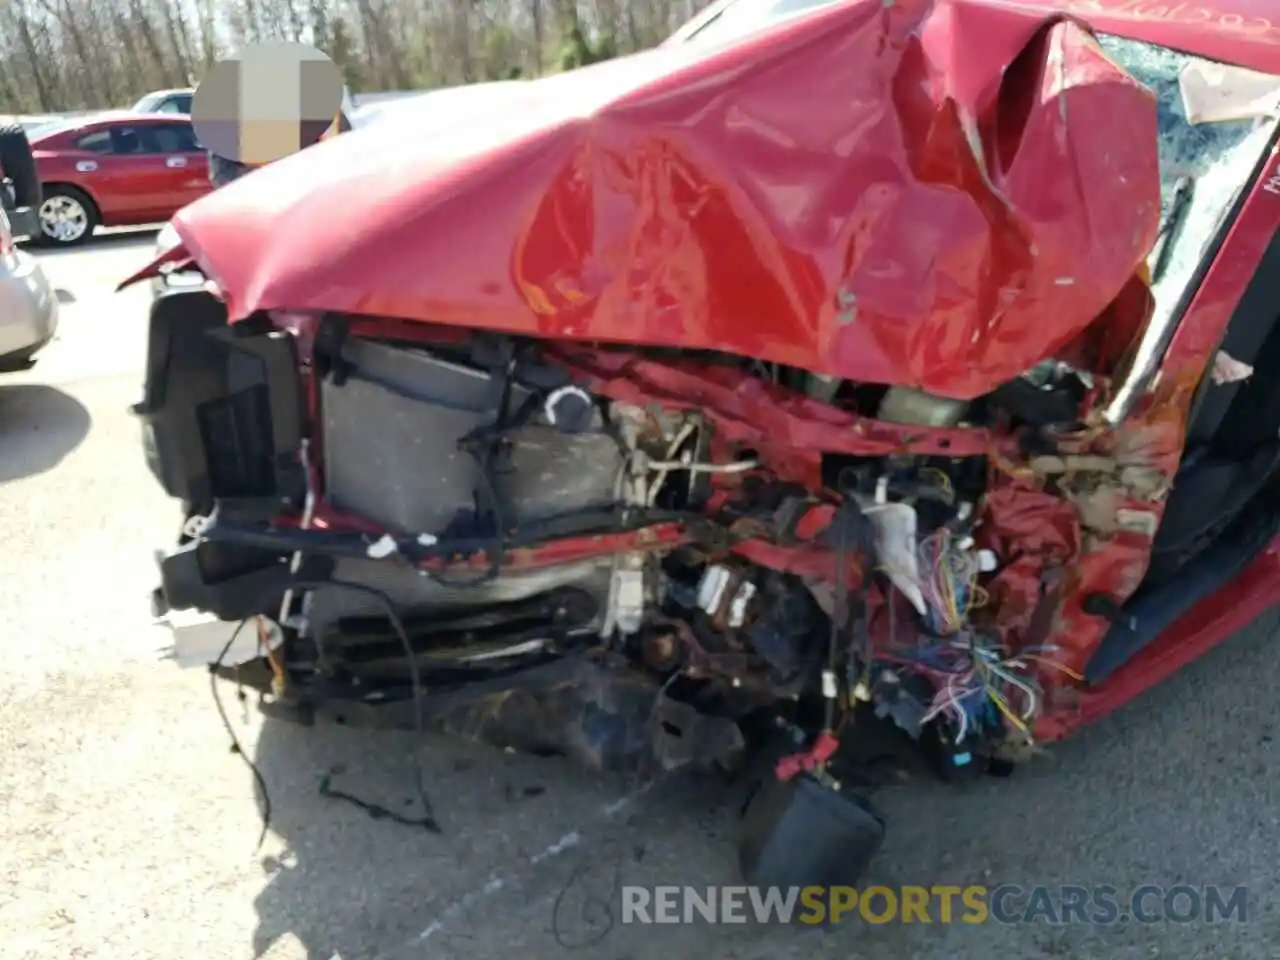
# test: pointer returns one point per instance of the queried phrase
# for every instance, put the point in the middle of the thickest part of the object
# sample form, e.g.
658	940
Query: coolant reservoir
909	405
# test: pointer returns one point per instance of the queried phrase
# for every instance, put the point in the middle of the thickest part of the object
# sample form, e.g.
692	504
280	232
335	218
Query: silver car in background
28	304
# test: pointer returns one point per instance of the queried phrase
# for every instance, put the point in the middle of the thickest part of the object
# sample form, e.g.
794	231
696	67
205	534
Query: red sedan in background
115	170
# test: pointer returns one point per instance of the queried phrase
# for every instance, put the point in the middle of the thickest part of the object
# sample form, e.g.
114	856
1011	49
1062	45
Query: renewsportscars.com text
940	904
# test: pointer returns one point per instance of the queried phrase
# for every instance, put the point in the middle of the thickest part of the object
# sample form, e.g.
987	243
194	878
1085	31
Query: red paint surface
1162	422
997	185
1242	32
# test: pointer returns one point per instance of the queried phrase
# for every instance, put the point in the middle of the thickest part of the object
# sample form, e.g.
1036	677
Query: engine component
953	758
908	405
724	594
789	631
417	596
895	700
416	472
740	603
1047	394
570	409
627	595
822	387
712	589
487	632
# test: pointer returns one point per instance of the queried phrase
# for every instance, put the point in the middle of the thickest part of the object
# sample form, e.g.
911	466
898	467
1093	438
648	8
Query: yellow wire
1009	715
943	480
947	583
1053	663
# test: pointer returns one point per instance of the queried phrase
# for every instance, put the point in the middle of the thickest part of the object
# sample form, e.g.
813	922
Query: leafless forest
62	55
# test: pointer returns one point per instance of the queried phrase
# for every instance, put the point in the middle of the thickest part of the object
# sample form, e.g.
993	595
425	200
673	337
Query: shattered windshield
1203	165
1206	161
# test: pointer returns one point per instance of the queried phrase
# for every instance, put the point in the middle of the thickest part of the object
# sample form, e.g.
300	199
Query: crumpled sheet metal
931	194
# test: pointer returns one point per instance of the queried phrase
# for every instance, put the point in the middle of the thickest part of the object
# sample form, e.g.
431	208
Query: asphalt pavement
130	828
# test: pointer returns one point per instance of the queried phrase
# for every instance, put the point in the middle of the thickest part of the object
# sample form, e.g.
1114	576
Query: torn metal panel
1227	369
1215	92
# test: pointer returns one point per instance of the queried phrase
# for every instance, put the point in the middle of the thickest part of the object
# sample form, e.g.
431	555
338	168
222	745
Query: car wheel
67	217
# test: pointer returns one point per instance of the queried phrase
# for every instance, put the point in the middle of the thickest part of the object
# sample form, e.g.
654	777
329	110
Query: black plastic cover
222	412
801	833
230	581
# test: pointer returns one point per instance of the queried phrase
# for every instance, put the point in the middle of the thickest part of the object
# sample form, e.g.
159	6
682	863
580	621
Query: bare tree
60	55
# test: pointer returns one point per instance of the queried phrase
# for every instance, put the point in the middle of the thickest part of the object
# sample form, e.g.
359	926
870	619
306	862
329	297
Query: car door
185	161
110	163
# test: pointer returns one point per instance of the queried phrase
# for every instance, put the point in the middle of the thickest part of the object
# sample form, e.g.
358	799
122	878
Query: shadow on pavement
1118	807
39	426
363	886
121	240
358	885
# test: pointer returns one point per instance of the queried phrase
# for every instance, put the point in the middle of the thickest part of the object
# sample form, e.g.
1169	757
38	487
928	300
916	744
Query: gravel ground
129	828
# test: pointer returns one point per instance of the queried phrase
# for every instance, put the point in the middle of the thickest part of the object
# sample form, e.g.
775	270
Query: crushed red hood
930	194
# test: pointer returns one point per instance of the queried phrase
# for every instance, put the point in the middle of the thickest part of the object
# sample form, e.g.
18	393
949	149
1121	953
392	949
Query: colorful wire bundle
948	582
978	685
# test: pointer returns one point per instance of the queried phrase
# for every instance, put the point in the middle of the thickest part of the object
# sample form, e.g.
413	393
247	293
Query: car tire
68	198
19	165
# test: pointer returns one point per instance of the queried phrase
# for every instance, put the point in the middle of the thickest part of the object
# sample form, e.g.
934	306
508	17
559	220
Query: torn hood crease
931	194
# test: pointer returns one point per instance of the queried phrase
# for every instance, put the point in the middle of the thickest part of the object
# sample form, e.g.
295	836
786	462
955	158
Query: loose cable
259	781
428	819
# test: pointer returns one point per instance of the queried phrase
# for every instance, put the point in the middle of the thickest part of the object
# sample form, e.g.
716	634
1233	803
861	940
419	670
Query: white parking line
571	840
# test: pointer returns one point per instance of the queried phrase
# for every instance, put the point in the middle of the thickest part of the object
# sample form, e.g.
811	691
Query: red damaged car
892	375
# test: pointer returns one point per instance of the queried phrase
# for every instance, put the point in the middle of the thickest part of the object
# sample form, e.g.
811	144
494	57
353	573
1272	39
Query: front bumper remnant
591	709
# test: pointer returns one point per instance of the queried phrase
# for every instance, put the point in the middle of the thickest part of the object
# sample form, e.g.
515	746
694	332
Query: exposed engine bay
721	580
650	557
516	516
